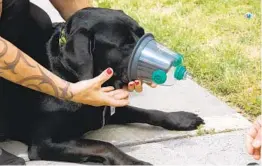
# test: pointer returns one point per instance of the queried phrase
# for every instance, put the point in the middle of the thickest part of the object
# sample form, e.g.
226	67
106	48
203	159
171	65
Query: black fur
96	39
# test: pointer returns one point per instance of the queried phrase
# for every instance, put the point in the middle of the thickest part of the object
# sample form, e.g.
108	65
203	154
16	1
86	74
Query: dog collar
62	37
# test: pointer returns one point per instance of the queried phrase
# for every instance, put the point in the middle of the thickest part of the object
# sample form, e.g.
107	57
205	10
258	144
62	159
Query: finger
257	141
250	148
125	88
104	76
121	96
257	154
257	125
252	132
249	140
153	85
138	86
107	89
116	103
127	98
116	92
131	86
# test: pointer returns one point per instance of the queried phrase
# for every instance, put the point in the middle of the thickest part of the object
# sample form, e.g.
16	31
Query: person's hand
254	139
137	86
90	92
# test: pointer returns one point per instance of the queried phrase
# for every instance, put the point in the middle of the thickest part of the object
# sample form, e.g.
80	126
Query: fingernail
109	71
137	82
131	84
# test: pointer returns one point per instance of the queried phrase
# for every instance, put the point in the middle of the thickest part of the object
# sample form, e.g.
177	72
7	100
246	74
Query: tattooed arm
19	68
66	8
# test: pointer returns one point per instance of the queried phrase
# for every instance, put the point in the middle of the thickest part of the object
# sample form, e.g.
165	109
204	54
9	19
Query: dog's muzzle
150	61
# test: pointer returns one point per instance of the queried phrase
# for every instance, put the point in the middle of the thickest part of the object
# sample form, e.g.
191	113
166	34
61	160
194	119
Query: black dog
52	128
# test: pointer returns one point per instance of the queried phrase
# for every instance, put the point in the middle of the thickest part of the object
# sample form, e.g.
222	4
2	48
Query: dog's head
105	37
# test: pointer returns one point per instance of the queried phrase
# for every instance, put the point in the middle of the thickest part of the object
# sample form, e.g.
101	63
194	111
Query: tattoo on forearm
34	86
4	51
11	66
42	77
44	80
65	92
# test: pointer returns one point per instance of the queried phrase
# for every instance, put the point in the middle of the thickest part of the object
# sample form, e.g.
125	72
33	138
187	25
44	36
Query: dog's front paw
181	121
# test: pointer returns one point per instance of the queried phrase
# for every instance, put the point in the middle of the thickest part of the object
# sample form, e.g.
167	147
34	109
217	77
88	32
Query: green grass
221	47
201	131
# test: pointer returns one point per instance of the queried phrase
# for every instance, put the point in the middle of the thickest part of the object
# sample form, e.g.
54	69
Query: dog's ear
77	54
139	31
132	24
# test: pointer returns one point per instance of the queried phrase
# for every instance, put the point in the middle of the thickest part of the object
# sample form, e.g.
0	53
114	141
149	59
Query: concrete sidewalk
159	146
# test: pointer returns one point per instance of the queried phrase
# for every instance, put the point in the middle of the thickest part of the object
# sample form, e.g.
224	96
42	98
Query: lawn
220	45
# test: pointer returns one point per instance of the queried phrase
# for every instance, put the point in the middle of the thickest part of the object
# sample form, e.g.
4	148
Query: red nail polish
109	71
131	84
137	82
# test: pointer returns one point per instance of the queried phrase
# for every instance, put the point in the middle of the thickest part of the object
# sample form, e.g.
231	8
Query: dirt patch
214	42
252	52
163	10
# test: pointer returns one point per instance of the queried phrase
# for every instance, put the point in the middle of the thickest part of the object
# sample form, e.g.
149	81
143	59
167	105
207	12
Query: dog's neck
55	44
